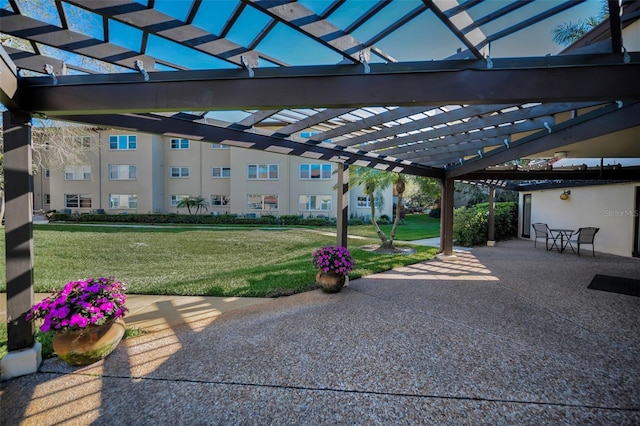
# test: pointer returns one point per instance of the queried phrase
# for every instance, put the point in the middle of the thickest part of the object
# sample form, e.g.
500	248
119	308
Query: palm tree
569	32
195	203
374	181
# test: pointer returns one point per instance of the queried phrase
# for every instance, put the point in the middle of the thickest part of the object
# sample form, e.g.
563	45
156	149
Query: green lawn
187	261
416	227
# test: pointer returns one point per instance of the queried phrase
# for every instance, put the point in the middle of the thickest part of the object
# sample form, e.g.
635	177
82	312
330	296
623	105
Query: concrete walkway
500	335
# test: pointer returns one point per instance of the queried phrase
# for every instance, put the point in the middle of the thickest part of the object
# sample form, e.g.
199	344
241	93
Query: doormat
618	285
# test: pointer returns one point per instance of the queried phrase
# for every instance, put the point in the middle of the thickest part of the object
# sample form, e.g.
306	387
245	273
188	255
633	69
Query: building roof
426	87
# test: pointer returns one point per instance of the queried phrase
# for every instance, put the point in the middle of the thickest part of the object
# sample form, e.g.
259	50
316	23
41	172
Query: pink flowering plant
334	259
80	304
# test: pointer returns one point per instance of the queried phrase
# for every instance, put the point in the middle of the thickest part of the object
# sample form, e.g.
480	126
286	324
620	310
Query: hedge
471	224
208	219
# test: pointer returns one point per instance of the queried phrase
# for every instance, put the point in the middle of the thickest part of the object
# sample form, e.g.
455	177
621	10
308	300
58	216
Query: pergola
367	82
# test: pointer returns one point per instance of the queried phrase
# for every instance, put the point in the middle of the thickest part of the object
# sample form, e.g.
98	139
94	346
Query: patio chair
585	235
542	231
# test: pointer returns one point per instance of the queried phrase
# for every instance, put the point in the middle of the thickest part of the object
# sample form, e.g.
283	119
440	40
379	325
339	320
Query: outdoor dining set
560	238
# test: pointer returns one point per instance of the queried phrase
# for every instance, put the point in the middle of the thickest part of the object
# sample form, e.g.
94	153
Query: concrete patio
500	335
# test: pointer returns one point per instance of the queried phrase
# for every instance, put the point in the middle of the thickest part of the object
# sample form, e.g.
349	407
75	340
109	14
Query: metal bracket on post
480	153
247	65
547	126
364	56
49	70
139	65
488	58
626	58
620	104
506	142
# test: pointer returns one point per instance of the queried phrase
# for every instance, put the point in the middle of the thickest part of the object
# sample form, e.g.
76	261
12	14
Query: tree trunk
400	187
381	235
396	220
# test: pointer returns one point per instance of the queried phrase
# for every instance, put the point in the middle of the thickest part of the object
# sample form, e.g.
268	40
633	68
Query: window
179	172
123	142
315	171
123	201
307	135
179	143
219	146
47	173
47	198
262	202
122	172
363	202
220	172
220	200
77	173
82	141
262	171
75	201
175	199
315	202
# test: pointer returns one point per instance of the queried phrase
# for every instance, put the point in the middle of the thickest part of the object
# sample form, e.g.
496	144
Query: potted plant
333	264
86	316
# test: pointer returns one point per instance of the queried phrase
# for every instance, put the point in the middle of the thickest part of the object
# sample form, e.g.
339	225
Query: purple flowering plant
80	304
334	259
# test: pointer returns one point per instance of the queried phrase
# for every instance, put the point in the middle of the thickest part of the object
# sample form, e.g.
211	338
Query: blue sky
423	38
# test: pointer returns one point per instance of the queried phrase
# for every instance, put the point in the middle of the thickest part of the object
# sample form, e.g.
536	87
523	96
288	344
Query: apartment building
129	172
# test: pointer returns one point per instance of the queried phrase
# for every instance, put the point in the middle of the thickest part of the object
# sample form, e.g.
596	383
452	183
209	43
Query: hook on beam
49	70
139	65
247	65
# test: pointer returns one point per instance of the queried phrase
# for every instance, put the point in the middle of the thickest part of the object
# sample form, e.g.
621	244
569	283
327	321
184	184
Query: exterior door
526	216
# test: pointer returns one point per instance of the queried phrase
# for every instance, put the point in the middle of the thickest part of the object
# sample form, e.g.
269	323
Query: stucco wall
610	208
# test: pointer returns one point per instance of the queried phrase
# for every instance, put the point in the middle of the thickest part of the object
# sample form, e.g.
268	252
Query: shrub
470	224
356	221
207	219
384	220
435	213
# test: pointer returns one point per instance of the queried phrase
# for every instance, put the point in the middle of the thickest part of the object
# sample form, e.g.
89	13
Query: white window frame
260	205
220	200
82	141
180	144
220	172
174	199
77	172
123	172
324	171
80	199
130	203
181	172
313	203
263	171
219	146
363	201
123	142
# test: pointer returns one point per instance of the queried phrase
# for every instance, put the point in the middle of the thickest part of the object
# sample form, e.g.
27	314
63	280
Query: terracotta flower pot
90	344
330	282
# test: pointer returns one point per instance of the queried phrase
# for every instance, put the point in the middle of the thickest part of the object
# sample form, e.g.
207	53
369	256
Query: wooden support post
446	217
18	228
343	203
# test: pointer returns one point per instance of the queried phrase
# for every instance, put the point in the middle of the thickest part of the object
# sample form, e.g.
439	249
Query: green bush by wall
471	224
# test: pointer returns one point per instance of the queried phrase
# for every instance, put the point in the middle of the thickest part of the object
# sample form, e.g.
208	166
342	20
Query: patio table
565	237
